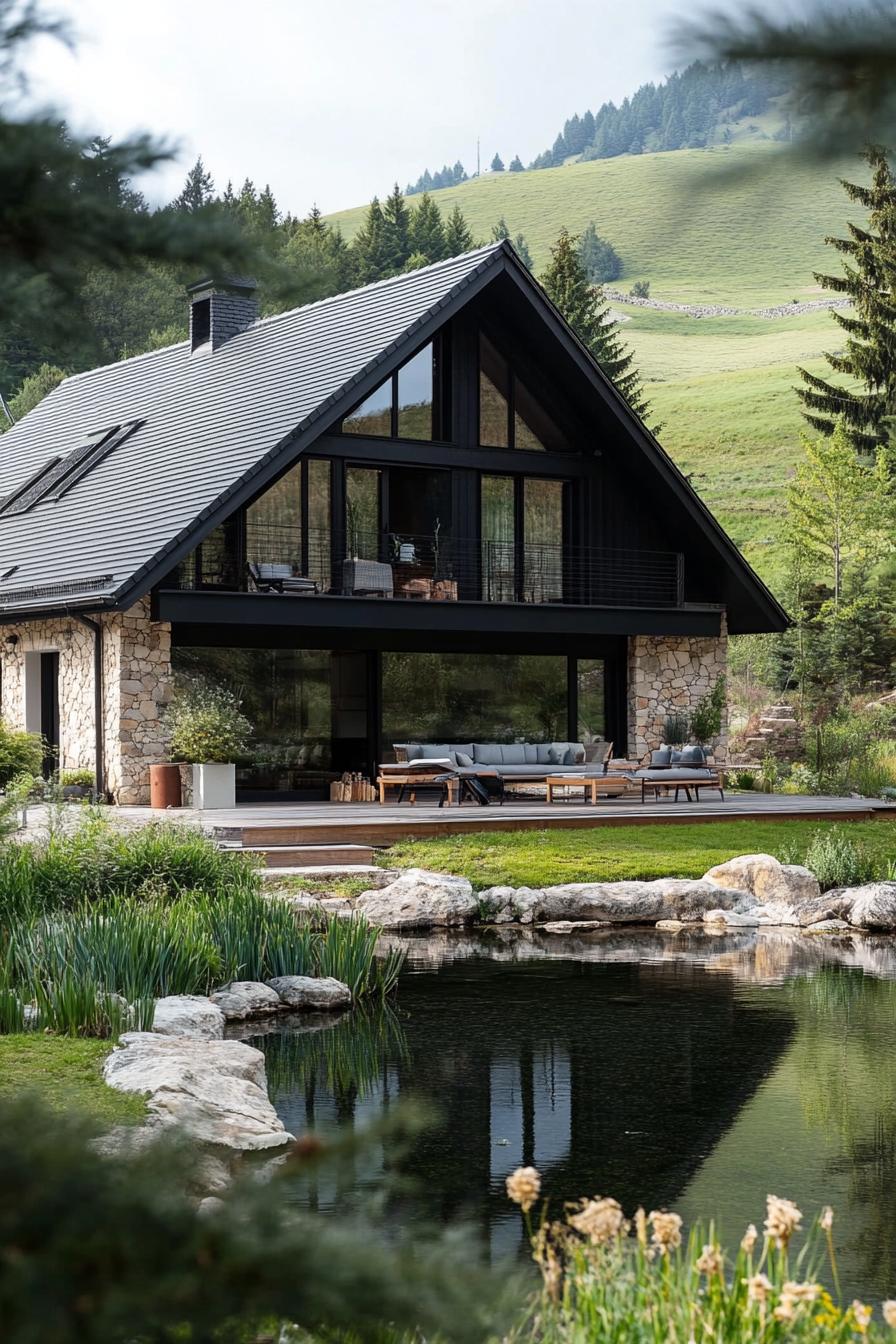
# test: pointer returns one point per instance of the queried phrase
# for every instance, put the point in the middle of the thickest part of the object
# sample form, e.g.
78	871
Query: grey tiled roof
210	418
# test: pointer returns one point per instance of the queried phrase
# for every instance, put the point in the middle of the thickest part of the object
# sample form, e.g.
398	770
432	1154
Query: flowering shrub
206	724
607	1277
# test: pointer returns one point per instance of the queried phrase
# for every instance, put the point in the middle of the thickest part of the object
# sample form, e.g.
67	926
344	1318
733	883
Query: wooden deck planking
323	823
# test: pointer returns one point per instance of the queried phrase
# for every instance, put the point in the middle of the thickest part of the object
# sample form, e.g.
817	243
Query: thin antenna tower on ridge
477	156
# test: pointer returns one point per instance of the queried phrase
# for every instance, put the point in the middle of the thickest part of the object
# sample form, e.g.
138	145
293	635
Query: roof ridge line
299	308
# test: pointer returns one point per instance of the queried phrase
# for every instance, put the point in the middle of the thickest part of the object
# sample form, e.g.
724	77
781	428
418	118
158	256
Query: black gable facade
418	512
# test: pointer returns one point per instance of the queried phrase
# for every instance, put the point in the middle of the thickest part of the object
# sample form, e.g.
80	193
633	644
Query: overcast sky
331	102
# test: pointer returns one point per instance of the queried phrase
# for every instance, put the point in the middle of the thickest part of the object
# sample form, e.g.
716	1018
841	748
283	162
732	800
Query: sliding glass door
522	531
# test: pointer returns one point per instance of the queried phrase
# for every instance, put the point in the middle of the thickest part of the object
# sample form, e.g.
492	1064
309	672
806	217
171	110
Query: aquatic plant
607	1277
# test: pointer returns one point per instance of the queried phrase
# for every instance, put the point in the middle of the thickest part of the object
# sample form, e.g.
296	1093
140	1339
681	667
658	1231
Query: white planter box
214	785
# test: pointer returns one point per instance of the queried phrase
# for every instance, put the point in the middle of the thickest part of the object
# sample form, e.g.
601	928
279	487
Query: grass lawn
614	853
65	1073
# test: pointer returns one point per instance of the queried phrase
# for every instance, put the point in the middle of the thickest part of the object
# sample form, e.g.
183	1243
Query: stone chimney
220	309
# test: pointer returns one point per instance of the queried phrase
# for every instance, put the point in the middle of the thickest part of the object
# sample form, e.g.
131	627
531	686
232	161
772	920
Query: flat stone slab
188	1015
214	1090
246	998
311	992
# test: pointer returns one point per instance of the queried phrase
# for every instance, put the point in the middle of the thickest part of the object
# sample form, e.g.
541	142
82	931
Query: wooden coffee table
603	786
414	780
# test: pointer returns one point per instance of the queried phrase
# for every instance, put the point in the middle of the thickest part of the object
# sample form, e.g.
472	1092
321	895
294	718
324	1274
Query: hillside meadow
740	226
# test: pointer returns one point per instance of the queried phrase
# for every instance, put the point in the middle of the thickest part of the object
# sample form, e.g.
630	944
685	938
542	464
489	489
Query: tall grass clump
836	859
605	1277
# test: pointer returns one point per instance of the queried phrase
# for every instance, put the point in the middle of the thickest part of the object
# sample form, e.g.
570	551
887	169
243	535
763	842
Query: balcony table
604	786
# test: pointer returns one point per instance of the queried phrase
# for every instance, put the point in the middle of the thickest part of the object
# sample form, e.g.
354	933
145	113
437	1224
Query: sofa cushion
695	756
542	750
513	753
487	753
412	750
556	755
463	759
436	751
431	762
531	751
660	760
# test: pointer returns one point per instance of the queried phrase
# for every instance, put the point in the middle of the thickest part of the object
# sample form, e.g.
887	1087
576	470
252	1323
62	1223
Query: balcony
408	568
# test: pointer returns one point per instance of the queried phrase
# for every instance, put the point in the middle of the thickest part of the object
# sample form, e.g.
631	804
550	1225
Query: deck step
279	855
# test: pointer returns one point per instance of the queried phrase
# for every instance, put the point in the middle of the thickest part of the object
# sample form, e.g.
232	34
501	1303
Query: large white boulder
638	902
314	993
509	905
188	1015
766	878
872	906
214	1090
420	900
246	998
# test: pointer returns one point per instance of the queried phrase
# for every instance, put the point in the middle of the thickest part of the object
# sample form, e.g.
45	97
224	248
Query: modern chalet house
417	511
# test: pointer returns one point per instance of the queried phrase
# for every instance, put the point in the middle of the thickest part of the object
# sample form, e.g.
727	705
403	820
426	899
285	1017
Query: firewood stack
352	788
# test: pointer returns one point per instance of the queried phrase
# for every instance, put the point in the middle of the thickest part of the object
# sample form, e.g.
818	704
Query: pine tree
497	164
458	238
396	231
500	231
586	310
516	164
368	248
427	232
198	189
869	355
522	249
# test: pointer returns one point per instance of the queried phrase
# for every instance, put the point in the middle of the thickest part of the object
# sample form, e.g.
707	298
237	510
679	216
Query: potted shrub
209	731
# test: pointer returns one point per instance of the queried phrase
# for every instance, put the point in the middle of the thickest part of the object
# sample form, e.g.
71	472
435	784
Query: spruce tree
516	164
500	231
497	164
522	248
368	248
198	189
600	258
396	231
869	355
427	232
586	310
458	237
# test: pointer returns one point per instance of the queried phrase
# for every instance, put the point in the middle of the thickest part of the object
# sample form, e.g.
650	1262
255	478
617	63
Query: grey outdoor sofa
519	762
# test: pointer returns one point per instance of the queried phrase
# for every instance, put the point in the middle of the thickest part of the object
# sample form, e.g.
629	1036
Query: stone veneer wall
137	684
668	674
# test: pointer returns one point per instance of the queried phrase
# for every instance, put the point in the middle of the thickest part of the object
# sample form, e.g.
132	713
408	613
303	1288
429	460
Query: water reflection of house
612	1079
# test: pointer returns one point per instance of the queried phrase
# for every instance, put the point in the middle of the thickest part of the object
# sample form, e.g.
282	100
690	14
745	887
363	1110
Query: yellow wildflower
666	1230
889	1310
758	1287
710	1261
524	1187
748	1240
782	1220
861	1315
600	1220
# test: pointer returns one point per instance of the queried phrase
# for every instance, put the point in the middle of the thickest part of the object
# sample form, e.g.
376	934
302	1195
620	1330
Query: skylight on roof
56	477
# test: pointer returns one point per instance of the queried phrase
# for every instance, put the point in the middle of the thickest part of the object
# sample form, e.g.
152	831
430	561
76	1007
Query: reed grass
605	1277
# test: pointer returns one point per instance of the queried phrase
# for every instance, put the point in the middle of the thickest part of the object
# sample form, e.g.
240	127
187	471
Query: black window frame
441	396
513	376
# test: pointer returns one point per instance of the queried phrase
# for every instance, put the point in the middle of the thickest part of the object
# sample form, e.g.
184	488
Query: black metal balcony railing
414	567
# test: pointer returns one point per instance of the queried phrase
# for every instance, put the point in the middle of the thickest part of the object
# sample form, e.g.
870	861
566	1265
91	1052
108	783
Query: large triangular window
509	415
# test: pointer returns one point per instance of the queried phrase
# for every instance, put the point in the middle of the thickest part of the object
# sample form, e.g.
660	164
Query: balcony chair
271	578
367	578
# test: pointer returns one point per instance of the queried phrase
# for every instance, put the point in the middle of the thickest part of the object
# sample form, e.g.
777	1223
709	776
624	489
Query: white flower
748	1240
523	1187
889	1311
782	1220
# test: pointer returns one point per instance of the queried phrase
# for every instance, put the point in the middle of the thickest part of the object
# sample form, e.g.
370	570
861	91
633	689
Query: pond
695	1071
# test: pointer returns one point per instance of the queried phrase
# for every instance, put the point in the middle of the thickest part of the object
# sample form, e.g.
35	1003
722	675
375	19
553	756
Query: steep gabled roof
206	421
199	433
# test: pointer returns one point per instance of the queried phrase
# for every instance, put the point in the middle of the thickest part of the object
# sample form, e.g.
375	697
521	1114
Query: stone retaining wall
137	683
669	674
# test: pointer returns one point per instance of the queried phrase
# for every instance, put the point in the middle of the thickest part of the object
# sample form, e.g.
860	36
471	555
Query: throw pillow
555	756
570	756
660	760
463	759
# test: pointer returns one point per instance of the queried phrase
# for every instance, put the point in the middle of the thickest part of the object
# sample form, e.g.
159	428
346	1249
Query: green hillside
742	227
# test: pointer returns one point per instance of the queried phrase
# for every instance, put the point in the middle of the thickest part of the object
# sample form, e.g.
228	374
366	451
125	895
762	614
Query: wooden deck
373	824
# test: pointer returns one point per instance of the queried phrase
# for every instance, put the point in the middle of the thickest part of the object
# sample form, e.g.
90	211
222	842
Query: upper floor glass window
509	415
406	405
